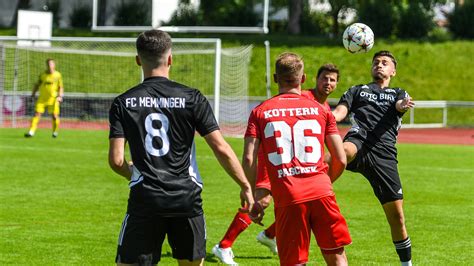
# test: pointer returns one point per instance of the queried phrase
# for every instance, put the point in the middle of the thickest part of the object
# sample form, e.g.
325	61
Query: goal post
95	70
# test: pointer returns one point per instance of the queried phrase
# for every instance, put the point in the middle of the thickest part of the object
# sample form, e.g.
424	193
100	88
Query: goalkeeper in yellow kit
51	90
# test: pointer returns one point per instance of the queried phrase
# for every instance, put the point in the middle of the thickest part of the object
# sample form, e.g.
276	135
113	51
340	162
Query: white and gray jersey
373	114
159	118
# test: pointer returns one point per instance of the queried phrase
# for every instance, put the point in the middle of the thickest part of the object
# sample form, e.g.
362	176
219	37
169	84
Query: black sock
403	249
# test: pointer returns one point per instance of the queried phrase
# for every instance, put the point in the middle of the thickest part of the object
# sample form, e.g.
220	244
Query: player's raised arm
117	160
227	158
338	156
340	112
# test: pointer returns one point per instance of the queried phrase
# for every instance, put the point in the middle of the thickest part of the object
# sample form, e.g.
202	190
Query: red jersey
292	130
310	95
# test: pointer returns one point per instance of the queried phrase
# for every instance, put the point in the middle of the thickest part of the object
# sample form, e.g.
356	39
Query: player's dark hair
387	54
152	45
328	68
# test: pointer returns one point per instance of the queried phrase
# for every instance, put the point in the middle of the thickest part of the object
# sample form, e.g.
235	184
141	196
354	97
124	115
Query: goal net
95	70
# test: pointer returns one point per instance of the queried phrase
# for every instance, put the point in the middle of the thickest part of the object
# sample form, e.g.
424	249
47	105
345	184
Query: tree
21	4
81	16
336	7
381	16
102	15
295	10
54	6
133	13
461	20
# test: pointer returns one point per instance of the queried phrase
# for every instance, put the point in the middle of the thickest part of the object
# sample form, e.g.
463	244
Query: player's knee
396	219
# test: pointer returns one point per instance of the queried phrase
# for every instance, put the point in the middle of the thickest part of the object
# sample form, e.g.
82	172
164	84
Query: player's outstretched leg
267	238
401	240
223	250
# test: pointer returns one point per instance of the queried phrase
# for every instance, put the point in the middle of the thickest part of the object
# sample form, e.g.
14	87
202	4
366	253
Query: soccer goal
95	70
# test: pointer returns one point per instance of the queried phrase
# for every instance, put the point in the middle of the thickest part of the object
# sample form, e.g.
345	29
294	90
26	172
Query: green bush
461	21
186	15
315	23
439	34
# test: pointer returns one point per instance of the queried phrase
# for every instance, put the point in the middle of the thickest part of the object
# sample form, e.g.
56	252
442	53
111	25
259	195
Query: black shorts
141	238
380	169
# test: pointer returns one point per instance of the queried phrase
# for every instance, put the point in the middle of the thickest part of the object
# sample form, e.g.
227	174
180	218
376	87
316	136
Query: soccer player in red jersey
326	82
291	130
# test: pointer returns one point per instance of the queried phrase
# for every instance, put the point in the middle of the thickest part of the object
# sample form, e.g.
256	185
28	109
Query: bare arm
60	94
340	112
338	156
249	159
117	160
404	104
227	158
249	163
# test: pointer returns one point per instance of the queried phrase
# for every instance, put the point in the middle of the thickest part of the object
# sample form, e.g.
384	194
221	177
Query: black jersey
373	115
159	118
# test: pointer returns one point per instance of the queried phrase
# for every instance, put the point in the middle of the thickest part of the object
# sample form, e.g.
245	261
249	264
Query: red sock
270	232
239	224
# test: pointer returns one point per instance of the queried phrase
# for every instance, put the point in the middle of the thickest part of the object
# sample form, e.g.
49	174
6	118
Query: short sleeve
331	126
205	120
115	123
348	97
402	94
252	126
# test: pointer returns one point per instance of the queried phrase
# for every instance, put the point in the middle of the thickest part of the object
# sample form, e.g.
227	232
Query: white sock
406	263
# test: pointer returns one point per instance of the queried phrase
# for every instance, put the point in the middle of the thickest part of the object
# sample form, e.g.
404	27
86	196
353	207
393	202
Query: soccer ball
358	38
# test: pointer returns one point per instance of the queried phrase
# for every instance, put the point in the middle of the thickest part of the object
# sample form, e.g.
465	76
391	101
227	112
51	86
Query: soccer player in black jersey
376	112
158	118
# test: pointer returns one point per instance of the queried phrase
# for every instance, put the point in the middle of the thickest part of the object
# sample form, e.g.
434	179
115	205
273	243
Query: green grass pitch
61	204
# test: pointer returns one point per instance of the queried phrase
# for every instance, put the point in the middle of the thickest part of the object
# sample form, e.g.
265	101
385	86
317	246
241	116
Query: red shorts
294	224
262	180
